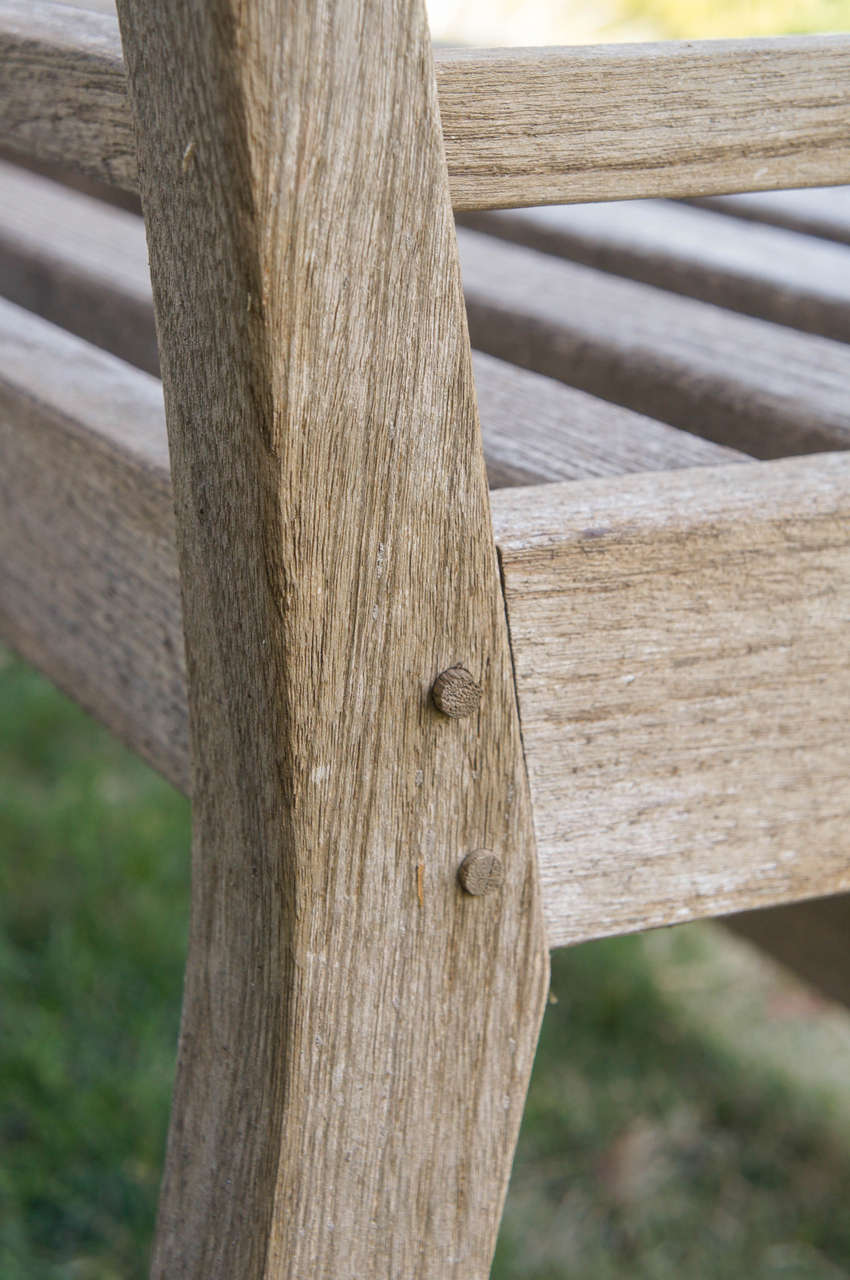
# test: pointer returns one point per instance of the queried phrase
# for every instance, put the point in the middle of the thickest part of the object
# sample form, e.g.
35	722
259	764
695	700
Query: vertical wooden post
357	1030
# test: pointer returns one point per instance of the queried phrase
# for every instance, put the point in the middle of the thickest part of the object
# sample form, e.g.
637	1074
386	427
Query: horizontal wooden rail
521	126
764	271
63	90
89	590
680	653
615	122
738	797
78	262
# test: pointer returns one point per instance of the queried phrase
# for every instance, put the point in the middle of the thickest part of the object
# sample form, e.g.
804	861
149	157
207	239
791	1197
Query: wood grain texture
90	587
89	591
822	211
357	1033
679	643
810	938
613	122
84	265
536	429
521	126
742	382
82	431
79	263
763	271
63	90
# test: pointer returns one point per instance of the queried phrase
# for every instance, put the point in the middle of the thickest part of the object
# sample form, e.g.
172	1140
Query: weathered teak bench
433	733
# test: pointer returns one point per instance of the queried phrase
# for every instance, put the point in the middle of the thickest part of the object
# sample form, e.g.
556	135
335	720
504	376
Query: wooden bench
432	733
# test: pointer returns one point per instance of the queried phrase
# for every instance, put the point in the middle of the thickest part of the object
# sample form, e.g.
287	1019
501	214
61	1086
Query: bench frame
374	693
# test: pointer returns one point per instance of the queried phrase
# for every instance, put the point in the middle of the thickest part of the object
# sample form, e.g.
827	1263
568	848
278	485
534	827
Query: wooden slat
521	126
89	590
63	89
680	651
79	263
739	381
763	271
84	265
822	211
535	430
614	122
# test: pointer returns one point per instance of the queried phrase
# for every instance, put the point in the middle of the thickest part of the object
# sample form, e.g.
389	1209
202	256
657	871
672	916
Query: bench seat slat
744	382
673	119
819	211
63	90
77	262
769	272
739	381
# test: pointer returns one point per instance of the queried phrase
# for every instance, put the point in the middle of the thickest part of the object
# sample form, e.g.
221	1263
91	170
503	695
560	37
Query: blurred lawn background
690	1110
529	22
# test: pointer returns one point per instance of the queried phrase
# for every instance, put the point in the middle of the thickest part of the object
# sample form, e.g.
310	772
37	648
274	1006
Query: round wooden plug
456	693
480	872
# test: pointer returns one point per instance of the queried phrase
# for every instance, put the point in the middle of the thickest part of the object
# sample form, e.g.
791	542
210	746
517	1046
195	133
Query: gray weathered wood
90	588
83	264
739	381
613	122
58	249
821	211
679	643
101	530
89	591
536	429
63	89
521	126
357	1032
79	263
763	271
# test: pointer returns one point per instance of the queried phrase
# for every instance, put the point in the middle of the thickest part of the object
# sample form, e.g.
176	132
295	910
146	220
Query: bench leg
358	1029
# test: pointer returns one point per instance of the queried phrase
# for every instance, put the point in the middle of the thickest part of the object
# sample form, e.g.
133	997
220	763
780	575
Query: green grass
93	903
654	1146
